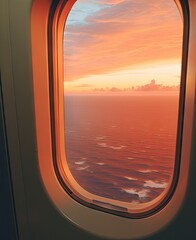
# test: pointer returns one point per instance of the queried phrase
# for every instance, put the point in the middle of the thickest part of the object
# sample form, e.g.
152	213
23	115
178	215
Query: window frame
46	126
62	170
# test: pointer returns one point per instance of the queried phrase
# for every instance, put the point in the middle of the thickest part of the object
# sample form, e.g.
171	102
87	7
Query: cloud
103	2
120	34
152	86
84	86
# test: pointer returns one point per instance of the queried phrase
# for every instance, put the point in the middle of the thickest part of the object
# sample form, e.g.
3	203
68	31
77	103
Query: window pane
122	66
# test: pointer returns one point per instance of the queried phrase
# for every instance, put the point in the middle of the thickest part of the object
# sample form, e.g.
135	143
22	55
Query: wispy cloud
119	34
84	85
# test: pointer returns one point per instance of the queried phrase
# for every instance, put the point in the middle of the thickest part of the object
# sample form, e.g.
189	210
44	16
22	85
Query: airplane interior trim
38	205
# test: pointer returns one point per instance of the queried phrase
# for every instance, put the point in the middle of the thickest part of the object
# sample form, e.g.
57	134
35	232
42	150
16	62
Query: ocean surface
122	146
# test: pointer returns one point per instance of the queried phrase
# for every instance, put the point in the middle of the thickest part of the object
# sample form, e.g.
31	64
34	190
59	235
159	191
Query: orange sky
122	43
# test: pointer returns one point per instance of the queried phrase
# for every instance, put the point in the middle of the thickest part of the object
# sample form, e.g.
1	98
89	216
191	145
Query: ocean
119	146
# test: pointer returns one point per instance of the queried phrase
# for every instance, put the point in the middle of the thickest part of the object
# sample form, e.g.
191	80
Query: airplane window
122	73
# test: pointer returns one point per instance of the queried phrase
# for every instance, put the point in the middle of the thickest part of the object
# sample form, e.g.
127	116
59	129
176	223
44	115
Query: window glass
122	67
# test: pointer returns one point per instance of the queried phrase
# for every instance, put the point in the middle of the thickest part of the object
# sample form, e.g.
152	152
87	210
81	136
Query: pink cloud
124	34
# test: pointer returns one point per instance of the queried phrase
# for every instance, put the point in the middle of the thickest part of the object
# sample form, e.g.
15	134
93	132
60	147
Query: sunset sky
122	44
